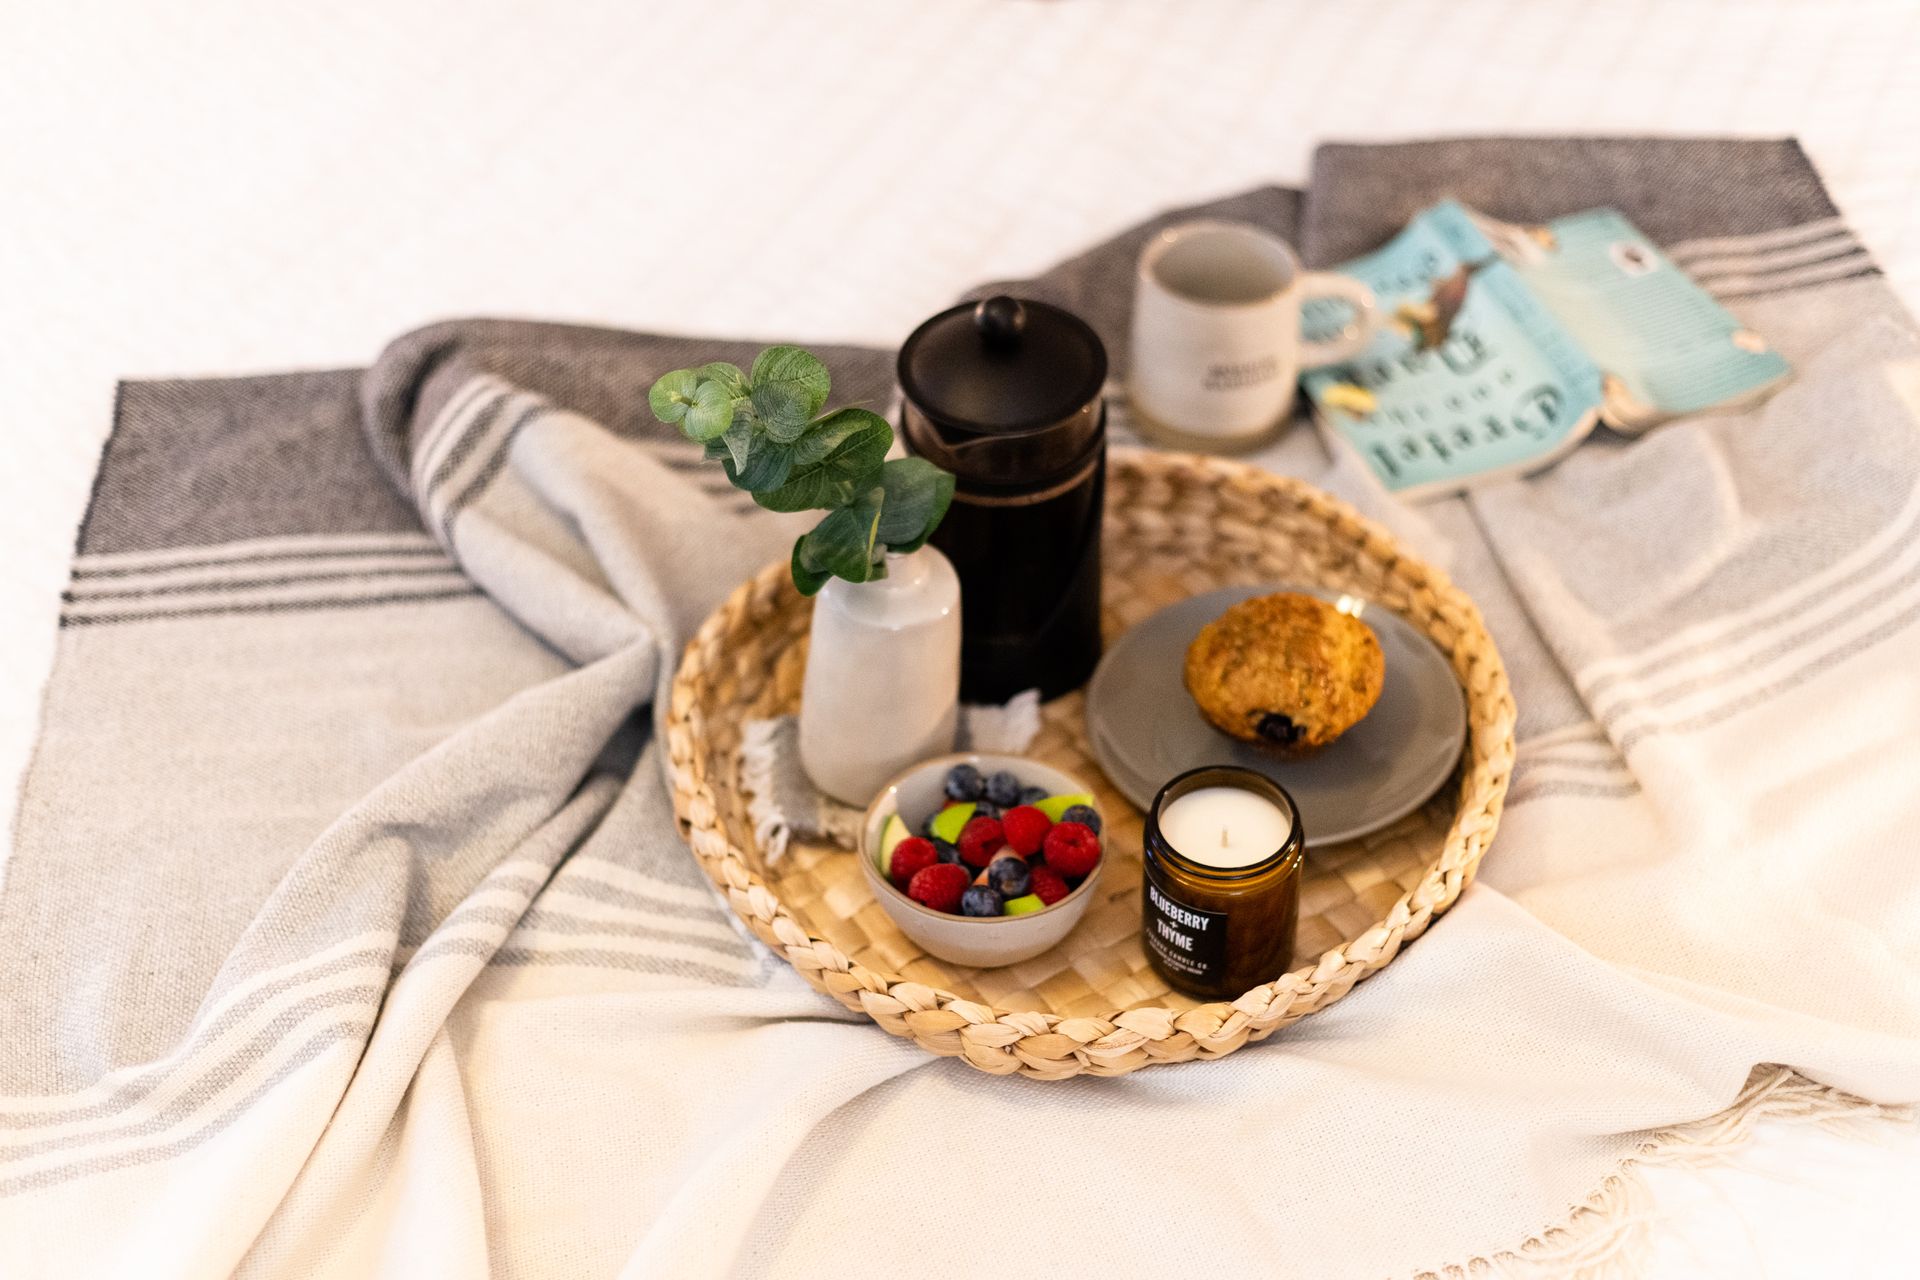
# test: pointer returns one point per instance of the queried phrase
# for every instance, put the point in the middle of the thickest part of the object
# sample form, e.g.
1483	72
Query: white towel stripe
1701	643
442	583
190	1125
294	546
332	995
1728	286
1705	269
380	940
640	883
1815	643
1809	616
254	576
1686	251
441	432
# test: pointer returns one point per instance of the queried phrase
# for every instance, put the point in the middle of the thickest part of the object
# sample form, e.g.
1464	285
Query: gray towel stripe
1806	638
480	420
457	408
351	1030
549	914
632	961
1802	255
1743	294
1531	768
521	956
496	462
270	607
1784	279
1757	242
1591	790
442	567
1577	734
1859	586
547	920
209	1083
588	886
1791	680
140	1086
428	550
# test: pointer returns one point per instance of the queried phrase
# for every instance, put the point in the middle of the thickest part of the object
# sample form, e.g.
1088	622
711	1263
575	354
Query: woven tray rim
1048	1045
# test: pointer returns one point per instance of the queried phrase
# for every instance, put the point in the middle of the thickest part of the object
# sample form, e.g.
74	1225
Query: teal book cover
1506	346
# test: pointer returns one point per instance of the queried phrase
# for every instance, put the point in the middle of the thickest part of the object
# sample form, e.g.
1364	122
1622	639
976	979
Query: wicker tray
1177	524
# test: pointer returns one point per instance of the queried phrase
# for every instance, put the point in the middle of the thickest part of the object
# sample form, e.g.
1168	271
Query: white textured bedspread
225	187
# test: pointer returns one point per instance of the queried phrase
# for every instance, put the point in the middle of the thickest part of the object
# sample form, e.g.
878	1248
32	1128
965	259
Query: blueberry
1033	795
1279	729
979	900
1084	815
945	850
926	825
1004	789
986	809
964	783
1010	876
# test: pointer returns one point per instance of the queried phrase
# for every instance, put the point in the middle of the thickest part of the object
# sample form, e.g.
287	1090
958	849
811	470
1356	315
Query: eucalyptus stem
767	429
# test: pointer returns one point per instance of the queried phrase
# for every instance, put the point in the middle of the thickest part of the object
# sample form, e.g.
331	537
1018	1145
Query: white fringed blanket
347	932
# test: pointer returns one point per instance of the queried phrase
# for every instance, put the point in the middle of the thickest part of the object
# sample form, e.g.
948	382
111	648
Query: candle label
1186	939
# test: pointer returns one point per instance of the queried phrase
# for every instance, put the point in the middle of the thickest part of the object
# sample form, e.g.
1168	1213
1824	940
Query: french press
1006	394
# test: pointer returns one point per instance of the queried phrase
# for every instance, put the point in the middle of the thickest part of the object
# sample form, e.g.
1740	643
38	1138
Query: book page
1476	378
1667	347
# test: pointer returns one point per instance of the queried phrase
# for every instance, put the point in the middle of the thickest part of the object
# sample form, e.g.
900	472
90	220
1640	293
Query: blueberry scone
1288	671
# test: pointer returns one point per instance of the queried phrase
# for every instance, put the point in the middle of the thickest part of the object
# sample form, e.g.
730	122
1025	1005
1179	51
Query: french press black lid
1004	393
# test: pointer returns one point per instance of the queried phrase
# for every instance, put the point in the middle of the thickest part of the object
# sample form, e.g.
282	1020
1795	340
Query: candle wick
1223	837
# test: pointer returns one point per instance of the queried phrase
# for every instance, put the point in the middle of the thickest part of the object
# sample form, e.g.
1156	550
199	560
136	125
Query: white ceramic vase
883	676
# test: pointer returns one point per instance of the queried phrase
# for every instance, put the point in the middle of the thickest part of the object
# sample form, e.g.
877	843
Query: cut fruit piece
1024	906
947	823
1054	806
891	834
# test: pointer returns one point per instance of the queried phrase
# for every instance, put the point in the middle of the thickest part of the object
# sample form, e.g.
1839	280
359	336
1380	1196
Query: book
1507	345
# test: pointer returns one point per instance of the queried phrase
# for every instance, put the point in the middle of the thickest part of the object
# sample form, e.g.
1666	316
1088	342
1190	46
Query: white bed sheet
229	187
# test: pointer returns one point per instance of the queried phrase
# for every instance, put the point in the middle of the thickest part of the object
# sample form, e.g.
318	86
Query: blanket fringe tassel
1605	1237
758	755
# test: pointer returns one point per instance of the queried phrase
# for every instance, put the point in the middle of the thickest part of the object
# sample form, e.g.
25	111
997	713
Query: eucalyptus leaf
738	440
788	386
672	394
806	575
833	461
711	413
764	428
727	375
767	466
917	495
845	543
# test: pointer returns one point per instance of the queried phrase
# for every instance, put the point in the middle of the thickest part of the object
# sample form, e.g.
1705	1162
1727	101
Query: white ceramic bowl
983	942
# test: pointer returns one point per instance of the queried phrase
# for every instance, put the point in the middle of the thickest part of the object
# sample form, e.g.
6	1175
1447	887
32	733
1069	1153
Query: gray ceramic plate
1145	728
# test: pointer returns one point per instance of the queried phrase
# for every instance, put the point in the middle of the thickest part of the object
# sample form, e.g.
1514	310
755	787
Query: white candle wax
1225	827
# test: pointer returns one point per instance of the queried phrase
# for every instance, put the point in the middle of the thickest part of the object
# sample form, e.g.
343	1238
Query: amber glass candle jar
1222	892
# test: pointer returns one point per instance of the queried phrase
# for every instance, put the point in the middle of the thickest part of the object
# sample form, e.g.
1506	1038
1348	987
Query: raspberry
938	886
1072	849
909	856
1047	885
1026	828
980	839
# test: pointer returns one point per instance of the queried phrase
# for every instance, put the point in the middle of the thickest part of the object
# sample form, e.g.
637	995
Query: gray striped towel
347	931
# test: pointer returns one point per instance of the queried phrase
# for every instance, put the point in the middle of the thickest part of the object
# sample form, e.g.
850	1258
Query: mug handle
1353	339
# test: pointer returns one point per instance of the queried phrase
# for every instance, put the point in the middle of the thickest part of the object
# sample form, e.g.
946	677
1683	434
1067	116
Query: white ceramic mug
1216	351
